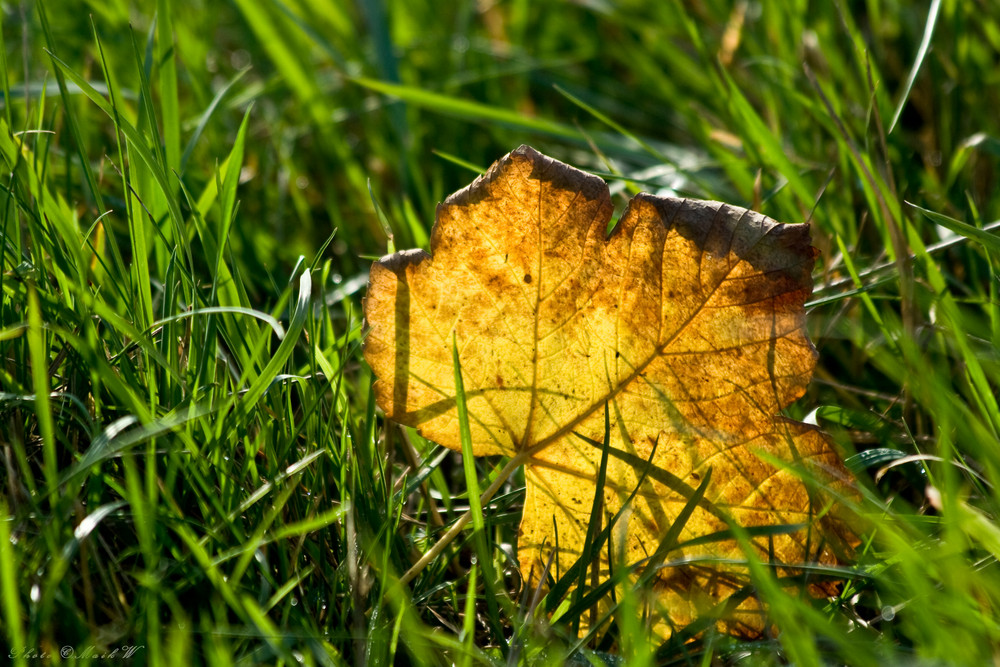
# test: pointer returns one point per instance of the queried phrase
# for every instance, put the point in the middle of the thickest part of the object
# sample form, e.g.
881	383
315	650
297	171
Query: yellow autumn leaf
686	321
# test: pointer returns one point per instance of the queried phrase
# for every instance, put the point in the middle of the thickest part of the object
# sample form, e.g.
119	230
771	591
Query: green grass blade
468	110
468	456
989	241
473	492
281	355
925	44
42	386
10	571
166	62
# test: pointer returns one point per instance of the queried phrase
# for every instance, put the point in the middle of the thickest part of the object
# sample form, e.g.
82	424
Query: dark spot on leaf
527	277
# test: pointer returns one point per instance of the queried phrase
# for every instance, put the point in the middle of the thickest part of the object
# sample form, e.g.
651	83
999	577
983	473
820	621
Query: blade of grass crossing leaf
468	460
650	567
560	588
501	478
669	541
591	550
472	488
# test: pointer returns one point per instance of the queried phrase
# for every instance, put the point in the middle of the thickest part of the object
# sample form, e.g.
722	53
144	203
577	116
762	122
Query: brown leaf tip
531	164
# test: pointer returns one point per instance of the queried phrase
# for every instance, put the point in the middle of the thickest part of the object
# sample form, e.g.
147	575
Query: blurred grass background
193	193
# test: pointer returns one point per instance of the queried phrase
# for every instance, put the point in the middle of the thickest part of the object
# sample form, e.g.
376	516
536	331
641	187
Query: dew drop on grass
239	58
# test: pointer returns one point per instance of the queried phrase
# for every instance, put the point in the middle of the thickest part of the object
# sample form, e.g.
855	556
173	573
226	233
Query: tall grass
192	193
